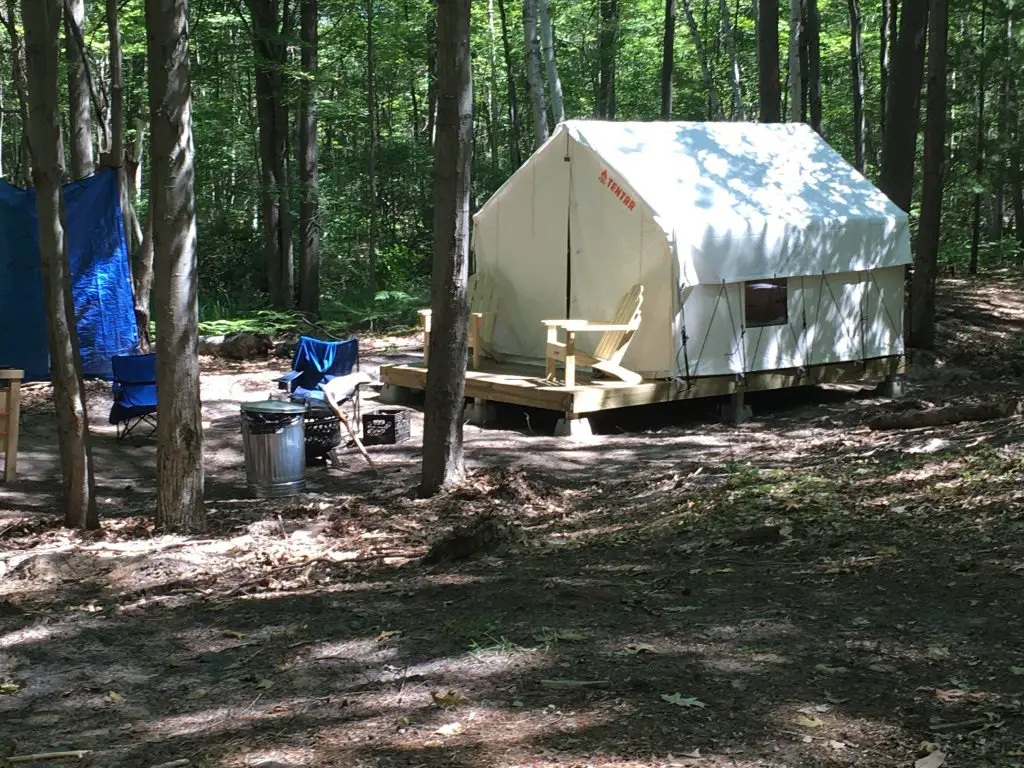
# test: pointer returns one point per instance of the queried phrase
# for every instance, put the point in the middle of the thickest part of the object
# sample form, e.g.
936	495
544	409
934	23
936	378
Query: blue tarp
100	276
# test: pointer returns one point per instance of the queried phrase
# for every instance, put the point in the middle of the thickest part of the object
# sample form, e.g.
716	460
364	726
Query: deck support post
392	394
573	425
736	412
481	412
891	387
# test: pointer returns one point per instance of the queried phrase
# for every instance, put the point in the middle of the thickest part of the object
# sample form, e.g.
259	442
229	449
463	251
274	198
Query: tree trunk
41	19
714	104
179	459
796	83
3	116
668	59
442	431
142	248
80	106
515	136
922	290
887	37
979	157
805	83
271	54
23	168
607	42
1017	192
857	76
142	265
1002	134
768	86
534	81
1016	137
737	112
309	225
903	108
371	171
813	26
432	73
142	282
492	85
116	155
554	83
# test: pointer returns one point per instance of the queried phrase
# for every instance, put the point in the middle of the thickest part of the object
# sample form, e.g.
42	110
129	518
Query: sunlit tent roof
745	201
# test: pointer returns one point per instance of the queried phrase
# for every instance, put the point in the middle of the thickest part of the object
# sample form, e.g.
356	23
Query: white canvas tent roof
778	192
675	206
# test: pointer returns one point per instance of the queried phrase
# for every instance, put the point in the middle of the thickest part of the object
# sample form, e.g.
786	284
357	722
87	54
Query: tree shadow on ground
799	591
883	616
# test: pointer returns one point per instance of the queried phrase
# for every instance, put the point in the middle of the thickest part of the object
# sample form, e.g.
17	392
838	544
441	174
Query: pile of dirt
485	535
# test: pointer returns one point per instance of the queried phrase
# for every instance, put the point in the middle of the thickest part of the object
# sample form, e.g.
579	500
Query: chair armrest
424	312
588	325
284	382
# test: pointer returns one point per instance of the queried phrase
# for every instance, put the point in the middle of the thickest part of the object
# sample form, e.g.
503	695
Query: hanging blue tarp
100	276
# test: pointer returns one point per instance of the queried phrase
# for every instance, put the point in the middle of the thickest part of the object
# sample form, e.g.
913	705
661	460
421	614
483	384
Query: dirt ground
798	591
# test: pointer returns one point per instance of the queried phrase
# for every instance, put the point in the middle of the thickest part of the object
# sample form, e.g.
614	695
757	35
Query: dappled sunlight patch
750	663
37	634
365	650
822	730
501	735
277	757
205	721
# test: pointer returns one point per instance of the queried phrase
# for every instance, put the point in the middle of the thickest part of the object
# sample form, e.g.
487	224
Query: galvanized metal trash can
275	448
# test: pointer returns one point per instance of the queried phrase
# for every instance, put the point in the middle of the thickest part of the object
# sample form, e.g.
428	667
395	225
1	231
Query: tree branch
236	6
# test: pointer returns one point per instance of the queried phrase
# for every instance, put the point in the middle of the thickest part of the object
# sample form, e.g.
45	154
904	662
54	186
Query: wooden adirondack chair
483	309
607	358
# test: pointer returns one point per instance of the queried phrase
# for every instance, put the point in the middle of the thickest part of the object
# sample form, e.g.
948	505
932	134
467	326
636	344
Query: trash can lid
273	407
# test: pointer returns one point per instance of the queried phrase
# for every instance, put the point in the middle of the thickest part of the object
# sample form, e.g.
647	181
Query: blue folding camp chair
315	363
134	393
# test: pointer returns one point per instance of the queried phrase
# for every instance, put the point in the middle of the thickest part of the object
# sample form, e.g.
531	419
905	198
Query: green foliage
270	322
233	280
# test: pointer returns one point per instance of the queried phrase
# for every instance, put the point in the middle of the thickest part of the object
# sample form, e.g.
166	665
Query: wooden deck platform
526	386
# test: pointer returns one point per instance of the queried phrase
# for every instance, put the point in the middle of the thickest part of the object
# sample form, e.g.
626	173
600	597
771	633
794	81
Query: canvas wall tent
100	275
758	246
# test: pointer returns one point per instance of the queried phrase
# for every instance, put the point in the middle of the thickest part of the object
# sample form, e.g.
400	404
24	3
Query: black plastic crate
386	426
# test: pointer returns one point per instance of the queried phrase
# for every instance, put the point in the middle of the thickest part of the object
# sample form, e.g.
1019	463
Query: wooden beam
10	417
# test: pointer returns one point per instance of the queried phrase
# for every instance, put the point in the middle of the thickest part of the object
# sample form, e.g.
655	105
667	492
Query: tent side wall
520	237
831	318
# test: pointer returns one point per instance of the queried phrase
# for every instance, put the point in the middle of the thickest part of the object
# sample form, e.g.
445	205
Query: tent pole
568	233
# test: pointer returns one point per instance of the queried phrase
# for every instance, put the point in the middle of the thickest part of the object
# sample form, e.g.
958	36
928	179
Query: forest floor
798	591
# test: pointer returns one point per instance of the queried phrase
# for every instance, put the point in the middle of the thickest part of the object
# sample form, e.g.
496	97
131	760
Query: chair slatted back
483	298
613	344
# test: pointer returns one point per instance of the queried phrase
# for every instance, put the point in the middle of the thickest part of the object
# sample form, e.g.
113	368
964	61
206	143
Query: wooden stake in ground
42	25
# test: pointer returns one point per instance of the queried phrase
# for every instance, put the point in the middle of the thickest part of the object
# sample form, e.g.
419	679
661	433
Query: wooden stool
10	408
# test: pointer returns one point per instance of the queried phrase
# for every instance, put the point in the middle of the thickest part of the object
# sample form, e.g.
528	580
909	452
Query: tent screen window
765	303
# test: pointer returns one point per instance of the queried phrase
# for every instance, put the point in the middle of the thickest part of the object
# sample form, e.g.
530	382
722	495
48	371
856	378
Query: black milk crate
386	426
